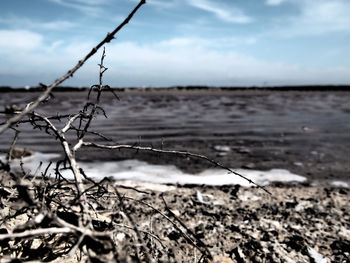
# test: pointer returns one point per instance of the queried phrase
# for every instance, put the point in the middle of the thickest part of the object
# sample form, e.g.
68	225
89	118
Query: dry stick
32	105
188	238
83	230
97	101
136	230
57	117
36	232
70	154
188	154
9	156
143	231
36	172
91	115
76	246
200	242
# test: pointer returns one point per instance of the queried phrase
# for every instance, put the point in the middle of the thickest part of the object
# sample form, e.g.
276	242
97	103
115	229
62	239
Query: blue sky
178	42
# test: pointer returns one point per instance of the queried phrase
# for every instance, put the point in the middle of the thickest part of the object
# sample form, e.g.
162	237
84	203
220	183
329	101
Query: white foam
317	257
162	174
340	184
31	163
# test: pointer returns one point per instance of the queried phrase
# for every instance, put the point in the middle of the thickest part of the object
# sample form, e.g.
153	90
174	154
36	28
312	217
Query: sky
177	42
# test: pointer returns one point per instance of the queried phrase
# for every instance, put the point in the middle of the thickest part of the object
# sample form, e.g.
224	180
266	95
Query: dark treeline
190	88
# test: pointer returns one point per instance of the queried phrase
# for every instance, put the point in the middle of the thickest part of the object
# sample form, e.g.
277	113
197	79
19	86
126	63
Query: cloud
226	43
91	2
275	2
89	7
19	41
184	61
175	61
317	17
29	54
21	22
162	3
56	25
324	16
231	14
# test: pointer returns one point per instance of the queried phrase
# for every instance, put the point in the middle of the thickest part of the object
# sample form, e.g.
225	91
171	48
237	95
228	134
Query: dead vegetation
44	217
47	217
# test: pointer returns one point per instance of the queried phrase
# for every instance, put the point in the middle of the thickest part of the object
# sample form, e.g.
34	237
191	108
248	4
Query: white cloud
161	3
317	17
18	41
228	14
182	62
57	25
88	7
324	16
183	42
177	61
91	2
214	44
22	22
274	2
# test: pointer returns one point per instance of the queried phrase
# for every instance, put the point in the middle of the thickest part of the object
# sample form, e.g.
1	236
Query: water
307	133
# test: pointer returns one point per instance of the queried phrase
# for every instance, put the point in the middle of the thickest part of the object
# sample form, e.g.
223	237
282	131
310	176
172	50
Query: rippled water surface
292	128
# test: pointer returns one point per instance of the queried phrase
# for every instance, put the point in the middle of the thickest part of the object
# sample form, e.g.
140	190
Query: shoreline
170	174
305	133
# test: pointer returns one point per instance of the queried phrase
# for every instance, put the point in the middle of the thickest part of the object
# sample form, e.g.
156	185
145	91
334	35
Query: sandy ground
248	225
295	223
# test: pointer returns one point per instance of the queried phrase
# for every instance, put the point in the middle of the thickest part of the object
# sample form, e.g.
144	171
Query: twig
68	152
36	232
9	156
188	238
205	249
143	231
136	230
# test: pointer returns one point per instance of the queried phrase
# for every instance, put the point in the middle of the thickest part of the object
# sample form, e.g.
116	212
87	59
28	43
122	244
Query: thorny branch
76	219
36	232
69	217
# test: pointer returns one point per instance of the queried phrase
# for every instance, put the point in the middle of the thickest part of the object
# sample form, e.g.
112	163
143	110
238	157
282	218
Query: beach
295	144
304	132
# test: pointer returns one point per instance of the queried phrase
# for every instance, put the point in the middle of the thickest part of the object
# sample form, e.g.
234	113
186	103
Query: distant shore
188	88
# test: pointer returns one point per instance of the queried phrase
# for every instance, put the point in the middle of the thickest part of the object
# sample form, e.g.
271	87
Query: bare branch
143	231
186	236
36	232
136	230
9	156
69	123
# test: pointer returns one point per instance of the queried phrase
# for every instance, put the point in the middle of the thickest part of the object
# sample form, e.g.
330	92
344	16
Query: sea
268	135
